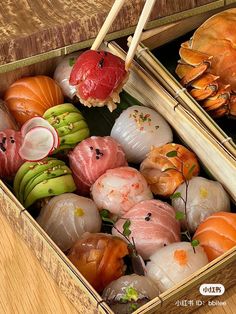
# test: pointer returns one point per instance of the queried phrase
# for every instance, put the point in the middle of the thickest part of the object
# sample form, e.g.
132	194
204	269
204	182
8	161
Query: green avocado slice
55	186
59	109
53	172
34	172
25	168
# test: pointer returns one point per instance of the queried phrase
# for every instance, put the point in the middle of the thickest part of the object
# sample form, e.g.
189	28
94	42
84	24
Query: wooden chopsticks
118	4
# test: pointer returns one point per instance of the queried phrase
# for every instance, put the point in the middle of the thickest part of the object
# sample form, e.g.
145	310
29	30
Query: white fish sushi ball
175	262
67	216
129	290
139	128
204	197
62	74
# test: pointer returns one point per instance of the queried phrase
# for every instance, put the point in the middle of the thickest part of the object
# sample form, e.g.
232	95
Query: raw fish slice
92	157
119	189
153	225
205	197
166	167
217	234
10	160
6	119
99	258
129	290
62	74
99	77
67	216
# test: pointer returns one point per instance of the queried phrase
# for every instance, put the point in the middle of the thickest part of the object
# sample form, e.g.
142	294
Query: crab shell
208	64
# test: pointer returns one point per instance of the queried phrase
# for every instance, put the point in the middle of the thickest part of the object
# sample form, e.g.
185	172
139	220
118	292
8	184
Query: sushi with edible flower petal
137	129
67	216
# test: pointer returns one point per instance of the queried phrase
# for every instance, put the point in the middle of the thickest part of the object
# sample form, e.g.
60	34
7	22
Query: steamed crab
208	64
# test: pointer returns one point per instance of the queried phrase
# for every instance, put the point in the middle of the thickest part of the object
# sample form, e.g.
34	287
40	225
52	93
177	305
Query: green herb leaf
71	62
179	215
105	215
172	153
131	294
190	171
126	230
195	243
175	195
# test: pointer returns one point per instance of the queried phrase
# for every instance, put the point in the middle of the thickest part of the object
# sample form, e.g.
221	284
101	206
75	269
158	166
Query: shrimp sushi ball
175	262
138	129
119	189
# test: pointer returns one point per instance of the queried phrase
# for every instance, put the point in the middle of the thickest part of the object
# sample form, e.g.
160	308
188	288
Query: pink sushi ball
10	160
119	189
92	157
153	226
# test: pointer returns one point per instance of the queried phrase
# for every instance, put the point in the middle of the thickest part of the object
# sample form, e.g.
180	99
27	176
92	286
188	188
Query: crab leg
204	87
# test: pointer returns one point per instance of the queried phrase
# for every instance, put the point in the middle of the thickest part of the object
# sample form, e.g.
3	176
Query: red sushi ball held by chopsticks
99	77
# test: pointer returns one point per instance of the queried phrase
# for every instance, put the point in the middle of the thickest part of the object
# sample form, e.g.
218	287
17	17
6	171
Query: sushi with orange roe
175	262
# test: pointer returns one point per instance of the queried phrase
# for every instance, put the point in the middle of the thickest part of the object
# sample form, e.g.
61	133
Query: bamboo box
72	286
189	129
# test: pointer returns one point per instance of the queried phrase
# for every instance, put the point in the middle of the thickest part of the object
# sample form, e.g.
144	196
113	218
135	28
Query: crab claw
204	87
192	64
218	105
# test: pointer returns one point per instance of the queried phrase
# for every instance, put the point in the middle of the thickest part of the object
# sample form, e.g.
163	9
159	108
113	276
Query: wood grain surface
30	27
25	286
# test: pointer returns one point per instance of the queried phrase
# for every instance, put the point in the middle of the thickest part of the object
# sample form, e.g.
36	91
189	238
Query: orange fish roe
181	257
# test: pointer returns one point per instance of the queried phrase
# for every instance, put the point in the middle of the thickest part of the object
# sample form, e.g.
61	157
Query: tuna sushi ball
119	189
175	262
129	292
10	160
204	197
67	216
139	128
92	157
152	224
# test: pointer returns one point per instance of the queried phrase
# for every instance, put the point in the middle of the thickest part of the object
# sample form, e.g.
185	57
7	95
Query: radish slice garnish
40	122
37	144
